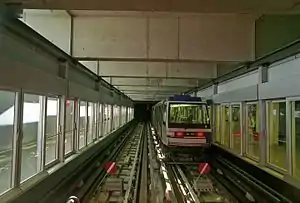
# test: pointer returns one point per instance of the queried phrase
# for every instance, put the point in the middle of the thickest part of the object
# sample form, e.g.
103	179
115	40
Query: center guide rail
184	183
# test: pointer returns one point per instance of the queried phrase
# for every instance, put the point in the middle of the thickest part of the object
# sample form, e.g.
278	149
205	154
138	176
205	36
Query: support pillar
263	77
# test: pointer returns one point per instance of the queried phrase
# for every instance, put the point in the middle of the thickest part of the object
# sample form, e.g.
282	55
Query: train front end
188	123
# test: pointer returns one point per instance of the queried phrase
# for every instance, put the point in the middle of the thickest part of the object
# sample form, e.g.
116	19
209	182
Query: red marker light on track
111	168
204	168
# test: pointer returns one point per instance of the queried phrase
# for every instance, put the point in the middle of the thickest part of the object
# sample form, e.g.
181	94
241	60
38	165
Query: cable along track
120	187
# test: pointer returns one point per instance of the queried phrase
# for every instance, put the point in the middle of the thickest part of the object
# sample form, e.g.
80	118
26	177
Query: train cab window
295	124
236	127
189	114
276	133
252	130
225	123
218	124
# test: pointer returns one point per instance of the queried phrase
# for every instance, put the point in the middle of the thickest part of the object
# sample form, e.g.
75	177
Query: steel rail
133	170
187	184
143	187
103	174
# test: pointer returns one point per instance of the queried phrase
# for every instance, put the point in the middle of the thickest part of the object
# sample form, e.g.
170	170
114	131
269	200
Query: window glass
124	115
32	135
225	123
7	113
296	138
69	126
99	121
82	124
90	123
189	114
95	121
218	124
236	127
277	133
104	117
114	117
109	118
51	136
252	131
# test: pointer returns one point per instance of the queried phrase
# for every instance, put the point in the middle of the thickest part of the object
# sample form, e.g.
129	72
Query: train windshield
189	115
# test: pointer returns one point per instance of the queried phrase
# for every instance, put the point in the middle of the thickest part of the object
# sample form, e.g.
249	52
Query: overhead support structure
199	6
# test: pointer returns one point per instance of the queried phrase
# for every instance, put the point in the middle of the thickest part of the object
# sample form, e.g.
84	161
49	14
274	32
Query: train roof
184	98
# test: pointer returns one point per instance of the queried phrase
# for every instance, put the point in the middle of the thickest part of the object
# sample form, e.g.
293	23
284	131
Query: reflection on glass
124	115
69	127
82	124
115	113
296	138
32	135
117	117
252	131
218	124
51	136
95	121
100	121
277	134
105	117
109	119
236	127
188	114
7	113
90	123
225	125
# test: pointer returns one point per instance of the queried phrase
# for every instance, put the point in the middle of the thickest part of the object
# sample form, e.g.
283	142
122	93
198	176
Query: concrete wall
275	31
216	37
53	25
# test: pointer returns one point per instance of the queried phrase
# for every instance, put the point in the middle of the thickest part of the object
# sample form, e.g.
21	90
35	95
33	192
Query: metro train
182	123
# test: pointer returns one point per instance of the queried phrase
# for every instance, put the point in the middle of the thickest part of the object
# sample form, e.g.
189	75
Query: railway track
143	175
197	188
183	183
123	184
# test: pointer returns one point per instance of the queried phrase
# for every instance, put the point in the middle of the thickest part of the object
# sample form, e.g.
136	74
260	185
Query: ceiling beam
203	6
158	70
128	59
145	88
155	82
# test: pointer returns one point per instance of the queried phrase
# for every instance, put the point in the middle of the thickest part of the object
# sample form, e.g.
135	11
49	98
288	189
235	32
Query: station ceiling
195	6
150	49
